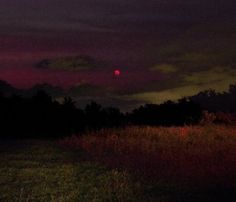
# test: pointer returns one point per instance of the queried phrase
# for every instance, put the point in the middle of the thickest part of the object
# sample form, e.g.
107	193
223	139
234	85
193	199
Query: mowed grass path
35	170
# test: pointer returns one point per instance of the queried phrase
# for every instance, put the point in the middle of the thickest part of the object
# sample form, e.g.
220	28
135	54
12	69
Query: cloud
56	14
218	78
88	90
71	63
164	68
174	94
212	76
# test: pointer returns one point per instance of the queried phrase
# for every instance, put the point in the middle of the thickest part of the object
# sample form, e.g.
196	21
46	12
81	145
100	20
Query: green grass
41	171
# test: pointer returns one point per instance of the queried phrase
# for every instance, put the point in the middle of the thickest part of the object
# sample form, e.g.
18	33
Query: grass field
41	171
131	164
199	160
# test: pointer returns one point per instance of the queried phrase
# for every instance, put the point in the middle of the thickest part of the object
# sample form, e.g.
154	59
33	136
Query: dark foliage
41	116
167	114
212	101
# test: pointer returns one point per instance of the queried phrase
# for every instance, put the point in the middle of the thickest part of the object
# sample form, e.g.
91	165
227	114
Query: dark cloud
93	15
70	63
165	49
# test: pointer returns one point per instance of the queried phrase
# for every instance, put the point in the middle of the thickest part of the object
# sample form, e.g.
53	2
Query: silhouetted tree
168	113
93	114
42	116
211	101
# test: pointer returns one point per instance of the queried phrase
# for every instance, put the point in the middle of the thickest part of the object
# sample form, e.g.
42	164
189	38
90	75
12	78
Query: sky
164	49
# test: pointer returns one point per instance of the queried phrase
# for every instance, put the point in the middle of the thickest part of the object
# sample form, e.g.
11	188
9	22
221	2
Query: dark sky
165	49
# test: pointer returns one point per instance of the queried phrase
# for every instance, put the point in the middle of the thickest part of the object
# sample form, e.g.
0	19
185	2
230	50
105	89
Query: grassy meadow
39	170
191	163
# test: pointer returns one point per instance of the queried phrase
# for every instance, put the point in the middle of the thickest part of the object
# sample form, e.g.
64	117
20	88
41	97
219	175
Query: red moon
117	72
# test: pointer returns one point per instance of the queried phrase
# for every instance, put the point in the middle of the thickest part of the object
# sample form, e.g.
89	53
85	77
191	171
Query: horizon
59	94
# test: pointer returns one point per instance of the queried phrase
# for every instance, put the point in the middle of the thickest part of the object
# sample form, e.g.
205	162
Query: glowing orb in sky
117	72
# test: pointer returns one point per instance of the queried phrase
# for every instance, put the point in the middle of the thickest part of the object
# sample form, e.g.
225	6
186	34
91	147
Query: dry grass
138	164
198	155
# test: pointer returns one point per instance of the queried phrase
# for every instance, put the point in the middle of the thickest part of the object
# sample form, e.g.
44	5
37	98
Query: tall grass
203	155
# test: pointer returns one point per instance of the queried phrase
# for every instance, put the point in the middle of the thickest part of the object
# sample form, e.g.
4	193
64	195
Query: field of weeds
133	164
201	157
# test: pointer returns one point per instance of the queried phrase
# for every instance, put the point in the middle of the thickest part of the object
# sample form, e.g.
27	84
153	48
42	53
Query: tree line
42	116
